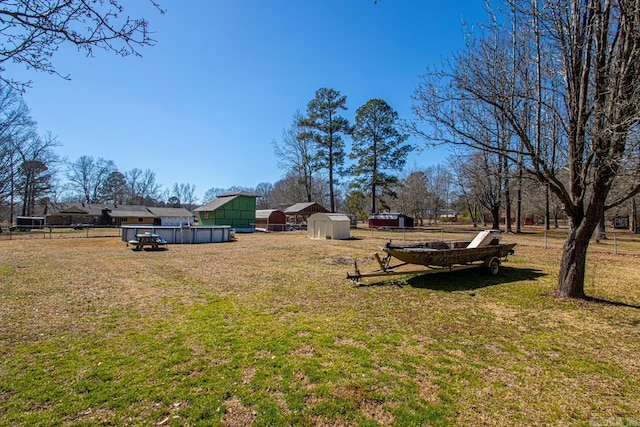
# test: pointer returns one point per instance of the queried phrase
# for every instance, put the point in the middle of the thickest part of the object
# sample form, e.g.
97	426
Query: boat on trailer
484	250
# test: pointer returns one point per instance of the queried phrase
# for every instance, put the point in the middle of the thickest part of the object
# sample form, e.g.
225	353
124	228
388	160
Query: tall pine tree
325	127
378	148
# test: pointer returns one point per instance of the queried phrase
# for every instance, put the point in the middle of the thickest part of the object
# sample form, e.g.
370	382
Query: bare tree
296	154
88	177
33	30
587	57
481	174
142	186
412	194
438	181
264	190
466	191
16	129
38	166
289	190
184	195
212	194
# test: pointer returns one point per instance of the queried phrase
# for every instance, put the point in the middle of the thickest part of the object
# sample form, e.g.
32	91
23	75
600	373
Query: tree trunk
507	196
634	216
373	197
519	206
547	210
601	230
495	213
507	214
573	262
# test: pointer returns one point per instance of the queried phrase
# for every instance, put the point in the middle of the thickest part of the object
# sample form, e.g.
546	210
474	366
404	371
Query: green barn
237	209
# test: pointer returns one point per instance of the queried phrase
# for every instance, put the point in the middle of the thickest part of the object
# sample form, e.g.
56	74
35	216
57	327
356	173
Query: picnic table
151	240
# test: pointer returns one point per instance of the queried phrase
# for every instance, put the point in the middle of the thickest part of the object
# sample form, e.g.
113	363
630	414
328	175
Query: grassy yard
267	331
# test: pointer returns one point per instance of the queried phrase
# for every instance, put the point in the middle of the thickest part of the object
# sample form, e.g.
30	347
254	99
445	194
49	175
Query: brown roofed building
301	211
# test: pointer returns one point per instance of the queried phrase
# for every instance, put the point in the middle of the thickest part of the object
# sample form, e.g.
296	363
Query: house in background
71	214
172	216
237	209
130	215
97	214
299	212
271	220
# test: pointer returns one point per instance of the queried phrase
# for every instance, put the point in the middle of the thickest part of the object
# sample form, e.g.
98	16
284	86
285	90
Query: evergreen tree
324	126
378	148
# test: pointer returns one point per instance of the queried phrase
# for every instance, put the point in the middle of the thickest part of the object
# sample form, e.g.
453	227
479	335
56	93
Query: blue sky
226	77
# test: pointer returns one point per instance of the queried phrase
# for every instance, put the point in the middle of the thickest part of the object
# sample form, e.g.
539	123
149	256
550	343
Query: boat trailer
386	269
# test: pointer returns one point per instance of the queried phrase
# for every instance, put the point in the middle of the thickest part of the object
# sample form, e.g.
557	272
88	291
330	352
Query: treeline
32	173
312	152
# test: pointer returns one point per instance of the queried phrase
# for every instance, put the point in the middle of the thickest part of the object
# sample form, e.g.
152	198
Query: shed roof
305	208
337	217
265	213
239	193
387	215
214	204
222	200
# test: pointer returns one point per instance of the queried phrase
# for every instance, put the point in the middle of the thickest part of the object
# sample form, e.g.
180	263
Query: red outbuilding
271	220
390	220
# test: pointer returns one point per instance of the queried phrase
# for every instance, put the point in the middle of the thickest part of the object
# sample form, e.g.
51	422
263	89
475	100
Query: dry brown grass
462	348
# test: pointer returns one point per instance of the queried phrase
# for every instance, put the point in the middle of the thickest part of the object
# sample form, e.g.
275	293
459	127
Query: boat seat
484	238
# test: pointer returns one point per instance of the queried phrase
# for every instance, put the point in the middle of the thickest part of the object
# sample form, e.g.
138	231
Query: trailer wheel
494	266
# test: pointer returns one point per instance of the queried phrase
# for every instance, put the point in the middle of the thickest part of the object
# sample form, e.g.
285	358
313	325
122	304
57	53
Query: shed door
320	229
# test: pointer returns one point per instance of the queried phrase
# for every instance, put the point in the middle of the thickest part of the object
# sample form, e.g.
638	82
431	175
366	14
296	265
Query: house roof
303	208
77	208
116	211
131	211
170	212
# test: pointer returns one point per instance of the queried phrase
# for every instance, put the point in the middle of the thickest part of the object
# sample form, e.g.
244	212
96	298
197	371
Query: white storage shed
328	226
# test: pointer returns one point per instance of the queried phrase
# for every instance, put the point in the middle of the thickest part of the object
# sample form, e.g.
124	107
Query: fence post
545	240
615	244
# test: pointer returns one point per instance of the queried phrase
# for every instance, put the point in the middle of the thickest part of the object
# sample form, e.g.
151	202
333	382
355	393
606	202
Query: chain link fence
619	242
59	233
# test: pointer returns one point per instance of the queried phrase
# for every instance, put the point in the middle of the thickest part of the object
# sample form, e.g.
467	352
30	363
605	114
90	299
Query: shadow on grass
465	280
612	303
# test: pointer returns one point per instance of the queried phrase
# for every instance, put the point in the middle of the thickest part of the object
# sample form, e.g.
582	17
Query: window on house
140	219
206	215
